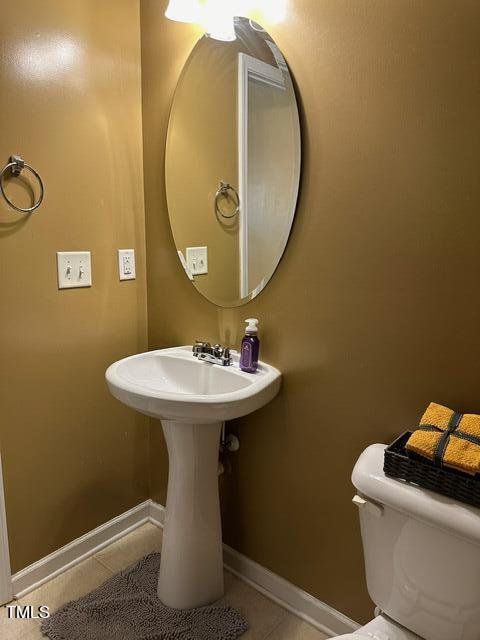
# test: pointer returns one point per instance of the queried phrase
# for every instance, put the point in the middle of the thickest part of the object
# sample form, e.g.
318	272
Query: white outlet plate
126	264
197	260
74	269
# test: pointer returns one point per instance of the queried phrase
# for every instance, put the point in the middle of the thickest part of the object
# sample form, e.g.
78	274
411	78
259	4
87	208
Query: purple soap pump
250	347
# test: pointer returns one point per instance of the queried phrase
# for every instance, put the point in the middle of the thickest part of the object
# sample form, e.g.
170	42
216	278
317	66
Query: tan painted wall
73	457
203	152
374	310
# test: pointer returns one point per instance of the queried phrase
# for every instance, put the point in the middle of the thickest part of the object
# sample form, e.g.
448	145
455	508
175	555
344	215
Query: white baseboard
74	552
157	513
299	602
302	604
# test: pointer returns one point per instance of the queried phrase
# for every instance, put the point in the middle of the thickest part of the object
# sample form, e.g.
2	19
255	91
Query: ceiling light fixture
217	16
184	11
218	19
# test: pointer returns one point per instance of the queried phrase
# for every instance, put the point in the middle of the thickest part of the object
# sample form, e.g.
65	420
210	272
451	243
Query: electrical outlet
126	264
74	269
197	260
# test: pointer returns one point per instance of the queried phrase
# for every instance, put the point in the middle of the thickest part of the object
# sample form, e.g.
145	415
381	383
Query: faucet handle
218	350
200	347
226	357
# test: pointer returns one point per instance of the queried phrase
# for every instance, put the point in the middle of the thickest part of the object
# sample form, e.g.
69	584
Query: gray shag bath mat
126	607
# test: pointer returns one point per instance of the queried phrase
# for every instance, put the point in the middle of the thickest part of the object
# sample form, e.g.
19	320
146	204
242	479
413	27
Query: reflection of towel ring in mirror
16	166
223	190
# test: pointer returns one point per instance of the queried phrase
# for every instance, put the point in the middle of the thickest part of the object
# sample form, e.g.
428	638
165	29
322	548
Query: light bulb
216	16
183	11
217	20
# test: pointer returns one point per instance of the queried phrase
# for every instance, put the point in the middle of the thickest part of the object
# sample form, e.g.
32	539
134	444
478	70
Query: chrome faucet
214	355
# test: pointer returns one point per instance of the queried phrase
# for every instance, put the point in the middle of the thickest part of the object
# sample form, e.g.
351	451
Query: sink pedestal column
191	568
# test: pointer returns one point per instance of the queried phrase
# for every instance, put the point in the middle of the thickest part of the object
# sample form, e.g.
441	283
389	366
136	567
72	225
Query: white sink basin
192	398
172	384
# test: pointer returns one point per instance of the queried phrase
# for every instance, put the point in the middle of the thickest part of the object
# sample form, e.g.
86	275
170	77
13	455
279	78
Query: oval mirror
232	164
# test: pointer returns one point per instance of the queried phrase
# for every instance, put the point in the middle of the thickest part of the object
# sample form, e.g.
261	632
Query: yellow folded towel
448	439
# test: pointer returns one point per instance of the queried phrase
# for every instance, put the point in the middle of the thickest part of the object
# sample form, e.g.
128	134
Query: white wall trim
6	590
242	114
74	552
302	604
248	68
157	514
299	602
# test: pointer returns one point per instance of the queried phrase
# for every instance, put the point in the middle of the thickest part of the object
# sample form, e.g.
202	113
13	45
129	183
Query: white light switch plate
74	269
197	260
126	264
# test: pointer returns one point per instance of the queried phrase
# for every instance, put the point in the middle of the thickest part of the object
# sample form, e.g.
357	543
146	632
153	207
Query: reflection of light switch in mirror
197	260
185	265
126	264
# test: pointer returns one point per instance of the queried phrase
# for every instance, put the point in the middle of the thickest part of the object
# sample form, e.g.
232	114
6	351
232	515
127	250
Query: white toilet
422	558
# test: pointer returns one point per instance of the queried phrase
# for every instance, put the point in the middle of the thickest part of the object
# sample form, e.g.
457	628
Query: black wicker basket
400	463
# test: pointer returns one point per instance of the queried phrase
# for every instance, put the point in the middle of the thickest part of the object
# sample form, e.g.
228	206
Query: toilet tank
422	553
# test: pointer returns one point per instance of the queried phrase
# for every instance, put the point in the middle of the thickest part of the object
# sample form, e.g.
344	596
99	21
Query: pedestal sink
192	399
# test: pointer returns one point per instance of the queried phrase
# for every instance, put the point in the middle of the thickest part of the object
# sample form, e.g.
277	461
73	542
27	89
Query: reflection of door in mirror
266	174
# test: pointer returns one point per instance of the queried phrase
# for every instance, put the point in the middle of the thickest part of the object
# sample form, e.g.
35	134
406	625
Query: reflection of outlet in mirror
126	264
197	260
74	269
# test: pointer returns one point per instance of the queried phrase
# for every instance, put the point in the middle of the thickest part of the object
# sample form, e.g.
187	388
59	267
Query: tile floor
266	619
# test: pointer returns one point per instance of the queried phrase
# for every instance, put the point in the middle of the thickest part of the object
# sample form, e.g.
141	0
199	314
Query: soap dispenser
250	347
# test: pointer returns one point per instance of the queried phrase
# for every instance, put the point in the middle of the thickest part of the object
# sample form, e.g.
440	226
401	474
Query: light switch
74	269
126	264
197	260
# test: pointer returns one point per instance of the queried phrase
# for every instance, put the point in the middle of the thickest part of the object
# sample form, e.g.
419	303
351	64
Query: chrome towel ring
223	191
16	165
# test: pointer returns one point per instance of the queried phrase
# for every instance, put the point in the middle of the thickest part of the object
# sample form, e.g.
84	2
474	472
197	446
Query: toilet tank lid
437	510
